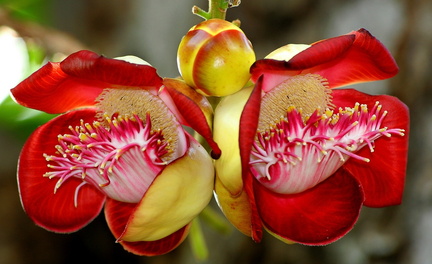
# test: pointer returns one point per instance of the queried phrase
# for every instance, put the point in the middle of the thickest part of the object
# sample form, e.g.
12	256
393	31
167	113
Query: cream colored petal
178	195
133	59
226	134
287	52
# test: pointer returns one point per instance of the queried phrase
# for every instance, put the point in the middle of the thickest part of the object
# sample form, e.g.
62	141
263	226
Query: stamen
92	152
329	138
139	103
76	193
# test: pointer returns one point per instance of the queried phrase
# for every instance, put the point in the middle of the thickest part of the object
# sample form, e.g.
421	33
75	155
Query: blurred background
152	29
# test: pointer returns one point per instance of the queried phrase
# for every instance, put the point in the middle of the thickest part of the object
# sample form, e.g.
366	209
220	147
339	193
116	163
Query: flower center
121	160
121	153
139	102
296	154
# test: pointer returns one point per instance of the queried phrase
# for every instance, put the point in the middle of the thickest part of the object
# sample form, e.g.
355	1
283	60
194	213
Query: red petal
247	131
87	65
382	178
317	216
78	80
51	90
55	212
356	57
187	101
117	215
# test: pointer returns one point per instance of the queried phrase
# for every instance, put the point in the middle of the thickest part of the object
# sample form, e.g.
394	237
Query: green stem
217	9
215	220
197	241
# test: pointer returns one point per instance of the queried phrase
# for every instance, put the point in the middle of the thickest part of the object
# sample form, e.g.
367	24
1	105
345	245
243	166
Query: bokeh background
152	29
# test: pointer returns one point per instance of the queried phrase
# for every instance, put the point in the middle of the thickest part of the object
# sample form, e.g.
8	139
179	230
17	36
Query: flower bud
214	57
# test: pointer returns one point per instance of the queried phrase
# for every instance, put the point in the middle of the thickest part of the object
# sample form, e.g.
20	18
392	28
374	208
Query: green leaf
31	10
20	120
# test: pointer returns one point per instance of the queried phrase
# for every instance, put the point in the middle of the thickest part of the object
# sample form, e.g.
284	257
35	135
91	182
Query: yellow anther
103	184
83	137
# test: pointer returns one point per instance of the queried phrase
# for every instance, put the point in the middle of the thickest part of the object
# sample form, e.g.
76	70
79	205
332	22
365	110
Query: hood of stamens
143	103
297	153
306	93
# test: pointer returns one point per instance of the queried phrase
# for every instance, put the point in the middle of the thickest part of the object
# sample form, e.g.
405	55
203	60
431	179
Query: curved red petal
55	212
87	65
318	216
352	58
117	216
78	80
53	91
383	178
247	131
192	113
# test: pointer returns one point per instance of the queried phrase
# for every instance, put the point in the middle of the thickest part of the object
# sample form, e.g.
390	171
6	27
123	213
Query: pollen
141	103
305	93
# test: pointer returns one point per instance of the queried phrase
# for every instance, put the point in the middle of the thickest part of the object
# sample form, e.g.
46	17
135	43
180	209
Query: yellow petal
226	134
175	198
287	241
235	208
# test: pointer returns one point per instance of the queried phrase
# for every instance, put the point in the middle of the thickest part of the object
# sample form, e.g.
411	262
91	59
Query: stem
217	9
197	241
215	220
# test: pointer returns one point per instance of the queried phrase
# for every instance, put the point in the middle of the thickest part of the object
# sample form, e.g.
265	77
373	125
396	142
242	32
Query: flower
308	156
214	58
118	143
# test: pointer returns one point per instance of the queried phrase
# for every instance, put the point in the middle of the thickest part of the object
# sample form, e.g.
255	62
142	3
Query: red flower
312	156
120	142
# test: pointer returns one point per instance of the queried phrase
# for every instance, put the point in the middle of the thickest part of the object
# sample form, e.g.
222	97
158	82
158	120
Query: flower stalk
197	241
217	9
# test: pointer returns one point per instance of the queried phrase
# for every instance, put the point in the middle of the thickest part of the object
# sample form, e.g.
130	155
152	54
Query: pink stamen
333	137
94	152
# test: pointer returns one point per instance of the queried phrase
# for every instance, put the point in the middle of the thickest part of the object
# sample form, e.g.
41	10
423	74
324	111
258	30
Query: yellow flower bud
214	57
